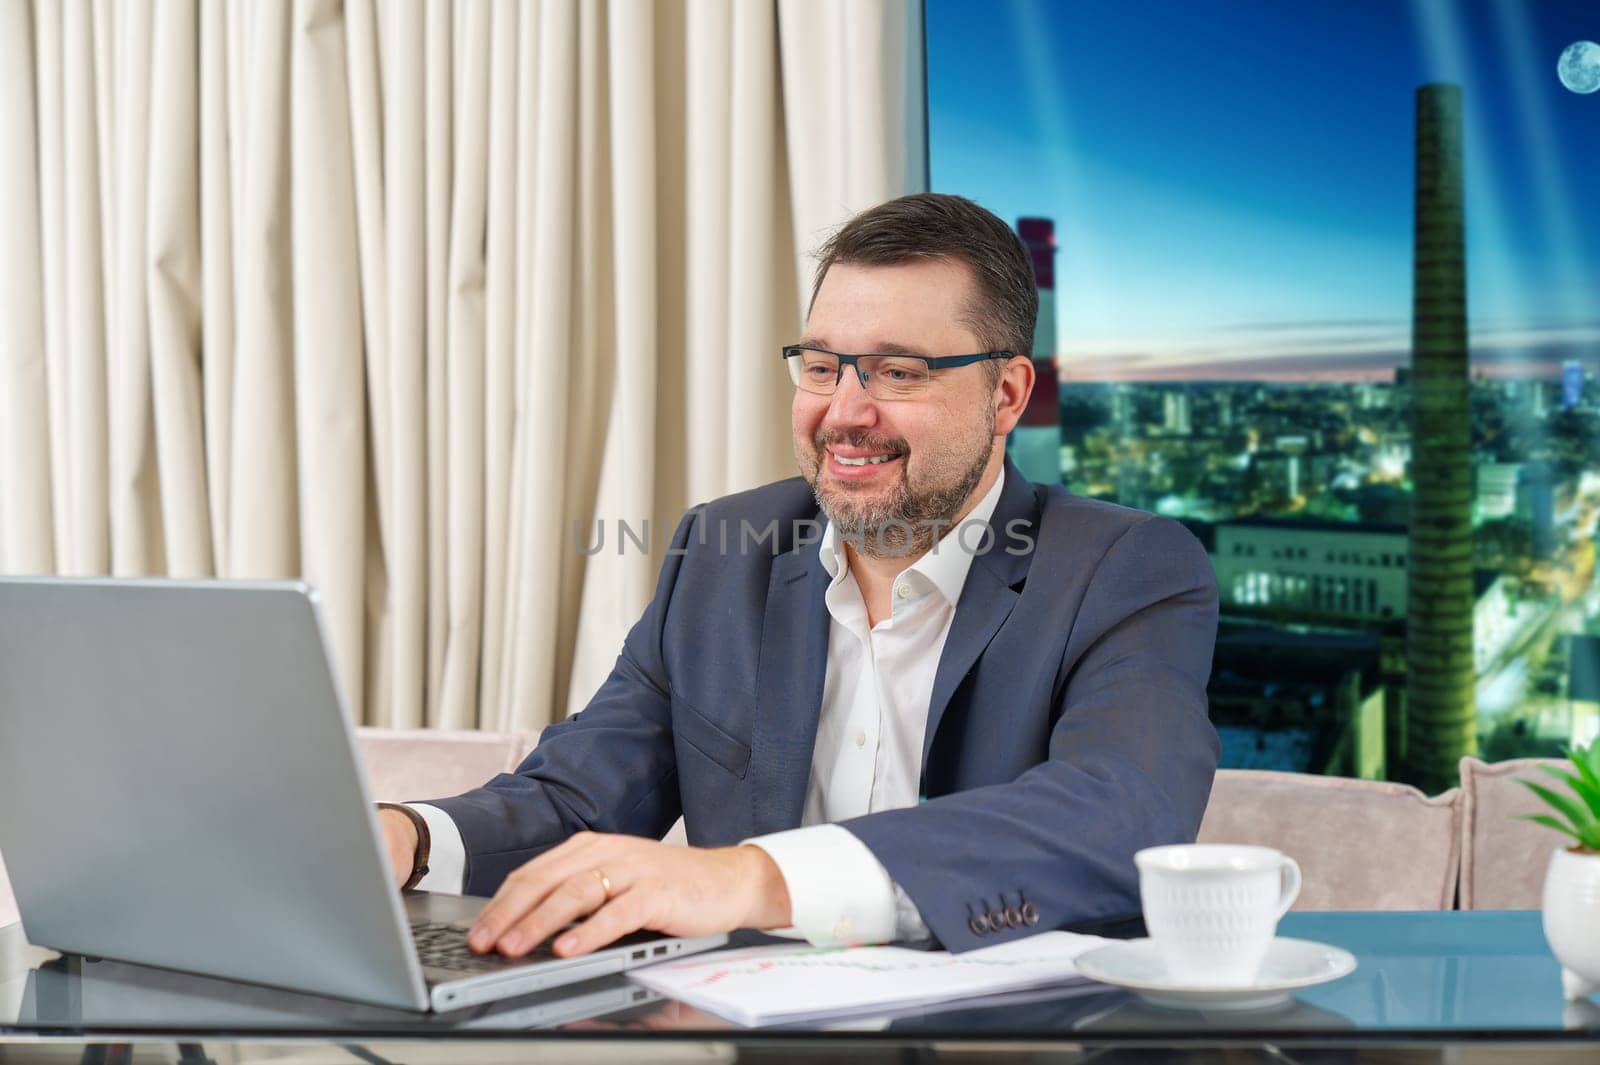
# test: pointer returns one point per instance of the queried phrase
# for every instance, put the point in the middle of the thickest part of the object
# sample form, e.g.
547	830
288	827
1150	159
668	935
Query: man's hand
681	891
400	841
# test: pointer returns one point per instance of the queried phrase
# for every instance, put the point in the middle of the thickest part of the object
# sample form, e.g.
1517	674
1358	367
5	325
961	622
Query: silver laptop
179	787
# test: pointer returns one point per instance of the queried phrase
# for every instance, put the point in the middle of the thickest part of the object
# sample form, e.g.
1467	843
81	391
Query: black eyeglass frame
933	362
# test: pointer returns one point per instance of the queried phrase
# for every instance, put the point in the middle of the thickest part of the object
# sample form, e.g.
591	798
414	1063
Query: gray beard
906	523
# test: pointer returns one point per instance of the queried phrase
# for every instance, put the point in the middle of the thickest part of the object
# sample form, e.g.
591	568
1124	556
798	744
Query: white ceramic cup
1212	909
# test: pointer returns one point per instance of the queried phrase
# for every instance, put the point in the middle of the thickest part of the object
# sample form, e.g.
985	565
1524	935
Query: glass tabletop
1449	975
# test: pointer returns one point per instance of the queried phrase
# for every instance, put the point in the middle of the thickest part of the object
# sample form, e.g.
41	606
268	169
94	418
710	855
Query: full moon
1579	66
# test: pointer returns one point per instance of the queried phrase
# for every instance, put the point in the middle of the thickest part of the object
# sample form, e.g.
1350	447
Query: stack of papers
790	982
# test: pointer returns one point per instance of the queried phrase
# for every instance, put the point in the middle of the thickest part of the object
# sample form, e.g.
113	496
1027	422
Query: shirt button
861	739
903	590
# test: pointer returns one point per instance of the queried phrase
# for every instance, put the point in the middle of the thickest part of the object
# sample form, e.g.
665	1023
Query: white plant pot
1572	919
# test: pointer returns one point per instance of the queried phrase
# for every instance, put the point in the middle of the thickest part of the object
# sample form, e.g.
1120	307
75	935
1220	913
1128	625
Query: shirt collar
946	565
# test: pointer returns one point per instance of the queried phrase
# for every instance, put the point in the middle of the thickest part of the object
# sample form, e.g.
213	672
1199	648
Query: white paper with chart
766	984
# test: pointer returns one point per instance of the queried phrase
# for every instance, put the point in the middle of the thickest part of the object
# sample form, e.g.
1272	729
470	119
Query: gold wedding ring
605	882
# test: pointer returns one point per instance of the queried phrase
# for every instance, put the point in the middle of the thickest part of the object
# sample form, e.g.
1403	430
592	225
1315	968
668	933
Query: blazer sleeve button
997	919
1013	917
1030	913
979	925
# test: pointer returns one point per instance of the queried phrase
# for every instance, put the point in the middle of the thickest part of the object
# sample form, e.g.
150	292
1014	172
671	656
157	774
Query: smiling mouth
858	458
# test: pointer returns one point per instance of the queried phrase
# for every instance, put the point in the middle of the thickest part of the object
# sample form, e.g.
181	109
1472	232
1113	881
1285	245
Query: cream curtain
411	299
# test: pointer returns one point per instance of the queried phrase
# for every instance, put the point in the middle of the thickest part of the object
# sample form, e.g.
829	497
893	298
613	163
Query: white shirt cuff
447	854
840	895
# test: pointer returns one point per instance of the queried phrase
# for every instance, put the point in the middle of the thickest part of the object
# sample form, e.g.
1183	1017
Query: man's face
934	448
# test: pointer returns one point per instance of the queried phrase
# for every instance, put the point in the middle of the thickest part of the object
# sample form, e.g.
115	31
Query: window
1230	310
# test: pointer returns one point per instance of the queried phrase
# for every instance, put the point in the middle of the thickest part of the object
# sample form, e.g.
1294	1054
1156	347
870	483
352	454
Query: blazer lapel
988	595
789	678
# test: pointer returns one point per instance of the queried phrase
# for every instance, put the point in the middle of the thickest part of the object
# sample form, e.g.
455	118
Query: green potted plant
1572	881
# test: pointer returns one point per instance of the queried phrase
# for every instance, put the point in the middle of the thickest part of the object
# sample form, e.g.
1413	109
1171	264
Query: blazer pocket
699	732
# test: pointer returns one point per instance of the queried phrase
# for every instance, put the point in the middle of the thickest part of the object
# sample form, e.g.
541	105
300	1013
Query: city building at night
1571	384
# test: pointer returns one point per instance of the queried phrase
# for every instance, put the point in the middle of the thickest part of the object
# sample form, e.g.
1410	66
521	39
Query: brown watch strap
419	862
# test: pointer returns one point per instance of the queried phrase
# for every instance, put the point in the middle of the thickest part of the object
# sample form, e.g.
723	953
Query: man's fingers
521	893
573	898
628	912
529	886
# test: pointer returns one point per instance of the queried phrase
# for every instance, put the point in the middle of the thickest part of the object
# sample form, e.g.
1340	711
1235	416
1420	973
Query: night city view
1323	283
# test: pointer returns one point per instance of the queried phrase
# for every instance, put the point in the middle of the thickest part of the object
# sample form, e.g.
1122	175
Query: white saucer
1291	964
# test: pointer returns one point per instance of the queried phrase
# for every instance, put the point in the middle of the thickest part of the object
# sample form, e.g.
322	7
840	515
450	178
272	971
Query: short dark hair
934	225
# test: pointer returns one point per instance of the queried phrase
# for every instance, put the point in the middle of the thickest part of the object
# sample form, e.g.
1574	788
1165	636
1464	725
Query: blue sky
1231	180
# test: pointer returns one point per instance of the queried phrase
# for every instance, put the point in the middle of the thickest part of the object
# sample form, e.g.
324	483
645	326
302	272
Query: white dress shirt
868	754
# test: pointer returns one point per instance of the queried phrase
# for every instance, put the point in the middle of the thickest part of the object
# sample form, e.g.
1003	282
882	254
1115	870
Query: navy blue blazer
1066	730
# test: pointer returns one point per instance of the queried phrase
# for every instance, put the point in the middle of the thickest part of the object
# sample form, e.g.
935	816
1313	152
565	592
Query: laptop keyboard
444	946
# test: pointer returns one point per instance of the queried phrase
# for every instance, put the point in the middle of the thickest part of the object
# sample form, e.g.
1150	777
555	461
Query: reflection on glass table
77	994
1446	975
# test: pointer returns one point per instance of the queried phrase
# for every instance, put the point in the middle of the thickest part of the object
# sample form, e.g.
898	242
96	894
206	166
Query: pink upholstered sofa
404	764
1361	844
1503	858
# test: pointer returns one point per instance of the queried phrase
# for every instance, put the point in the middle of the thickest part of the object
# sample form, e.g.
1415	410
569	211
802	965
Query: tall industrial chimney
1441	712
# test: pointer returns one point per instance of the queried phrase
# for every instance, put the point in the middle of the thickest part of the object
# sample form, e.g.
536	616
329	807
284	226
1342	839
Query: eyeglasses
885	377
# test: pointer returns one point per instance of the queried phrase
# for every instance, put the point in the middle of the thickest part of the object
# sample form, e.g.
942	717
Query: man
954	708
